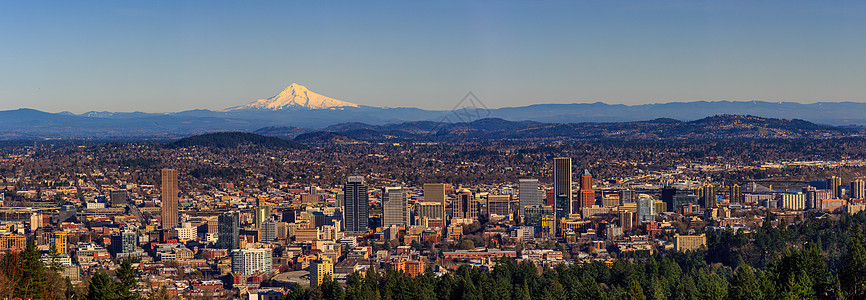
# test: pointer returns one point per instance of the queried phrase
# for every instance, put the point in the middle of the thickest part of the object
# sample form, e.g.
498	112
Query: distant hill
715	127
325	137
303	113
233	140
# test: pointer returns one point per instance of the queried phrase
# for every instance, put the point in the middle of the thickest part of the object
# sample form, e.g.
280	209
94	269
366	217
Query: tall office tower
499	205
357	204
465	206
268	231
118	197
169	198
667	195
562	207
288	216
858	189
228	227
529	194
395	207
834	184
708	194
262	213
252	261
124	242
562	178
435	192
587	195
429	210
645	208
736	195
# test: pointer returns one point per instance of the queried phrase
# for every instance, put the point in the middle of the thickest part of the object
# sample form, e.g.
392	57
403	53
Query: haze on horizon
171	56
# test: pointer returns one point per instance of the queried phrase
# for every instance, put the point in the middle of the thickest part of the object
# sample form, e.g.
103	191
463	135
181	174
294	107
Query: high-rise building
562	207
169	198
645	208
435	192
736	195
587	195
535	214
228	236
627	196
708	195
498	205
356	206
252	261
268	231
834	184
626	220
35	222
118	197
858	189
262	213
319	269
549	198
429	210
562	178
395	207
61	241
124	241
465	206
288	216
529	194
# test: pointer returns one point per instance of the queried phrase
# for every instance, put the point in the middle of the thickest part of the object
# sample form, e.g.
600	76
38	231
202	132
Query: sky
168	56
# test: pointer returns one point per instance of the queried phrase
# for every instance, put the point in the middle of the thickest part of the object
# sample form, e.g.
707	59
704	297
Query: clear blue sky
163	56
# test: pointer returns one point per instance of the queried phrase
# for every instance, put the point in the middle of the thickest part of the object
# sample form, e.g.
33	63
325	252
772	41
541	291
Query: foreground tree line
816	259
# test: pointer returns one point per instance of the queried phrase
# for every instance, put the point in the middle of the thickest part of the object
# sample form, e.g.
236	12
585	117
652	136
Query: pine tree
102	287
127	282
852	275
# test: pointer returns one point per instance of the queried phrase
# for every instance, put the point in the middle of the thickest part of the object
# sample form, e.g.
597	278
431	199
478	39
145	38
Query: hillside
233	140
715	127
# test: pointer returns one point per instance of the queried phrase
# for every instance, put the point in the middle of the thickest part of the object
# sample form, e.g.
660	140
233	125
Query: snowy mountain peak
296	96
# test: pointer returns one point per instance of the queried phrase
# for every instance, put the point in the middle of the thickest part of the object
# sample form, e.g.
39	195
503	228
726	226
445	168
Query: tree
745	285
852	275
102	287
160	294
635	291
127	282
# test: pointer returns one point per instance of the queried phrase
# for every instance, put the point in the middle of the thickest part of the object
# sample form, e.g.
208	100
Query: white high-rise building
252	261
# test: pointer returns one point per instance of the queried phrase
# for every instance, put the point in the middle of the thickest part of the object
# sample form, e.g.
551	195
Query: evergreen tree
852	275
635	291
127	281
102	287
745	285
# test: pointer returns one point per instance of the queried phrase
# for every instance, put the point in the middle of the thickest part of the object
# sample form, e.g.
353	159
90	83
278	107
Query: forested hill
234	139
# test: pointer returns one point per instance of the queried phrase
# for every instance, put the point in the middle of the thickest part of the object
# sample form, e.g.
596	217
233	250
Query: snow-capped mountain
296	96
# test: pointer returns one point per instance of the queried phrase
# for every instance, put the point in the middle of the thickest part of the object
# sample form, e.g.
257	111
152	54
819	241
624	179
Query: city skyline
165	57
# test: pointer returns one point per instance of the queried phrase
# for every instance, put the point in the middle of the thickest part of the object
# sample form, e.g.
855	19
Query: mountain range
297	110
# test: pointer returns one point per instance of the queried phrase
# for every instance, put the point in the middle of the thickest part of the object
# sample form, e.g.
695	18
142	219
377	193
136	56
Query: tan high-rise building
435	192
169	198
562	178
